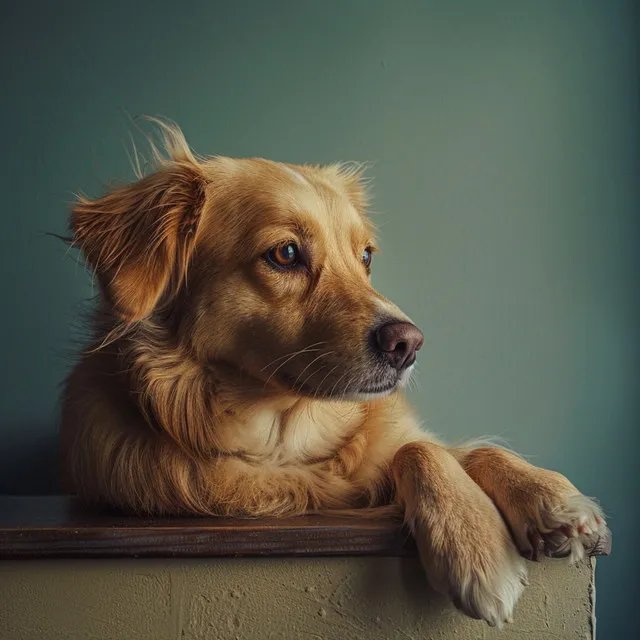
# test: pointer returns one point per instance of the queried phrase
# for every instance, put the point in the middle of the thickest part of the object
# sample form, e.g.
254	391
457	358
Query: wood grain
58	526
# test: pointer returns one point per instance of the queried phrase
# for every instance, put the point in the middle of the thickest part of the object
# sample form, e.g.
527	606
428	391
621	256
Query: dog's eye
367	254
284	256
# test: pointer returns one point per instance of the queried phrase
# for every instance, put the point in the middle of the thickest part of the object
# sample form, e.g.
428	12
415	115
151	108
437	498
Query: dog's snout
398	342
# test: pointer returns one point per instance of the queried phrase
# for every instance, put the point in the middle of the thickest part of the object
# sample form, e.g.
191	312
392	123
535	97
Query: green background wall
505	142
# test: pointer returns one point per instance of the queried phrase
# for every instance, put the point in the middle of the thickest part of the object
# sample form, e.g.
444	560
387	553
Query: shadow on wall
30	464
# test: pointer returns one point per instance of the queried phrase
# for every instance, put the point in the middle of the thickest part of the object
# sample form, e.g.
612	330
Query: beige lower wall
307	598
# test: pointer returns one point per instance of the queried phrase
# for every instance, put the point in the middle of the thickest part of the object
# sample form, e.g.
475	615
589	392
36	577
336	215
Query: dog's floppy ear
139	238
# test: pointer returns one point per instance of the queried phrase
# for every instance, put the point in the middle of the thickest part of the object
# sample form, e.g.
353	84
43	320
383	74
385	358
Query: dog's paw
490	593
556	520
472	559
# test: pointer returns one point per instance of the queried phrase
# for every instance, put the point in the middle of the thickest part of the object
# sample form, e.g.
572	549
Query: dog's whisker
313	373
354	382
322	355
286	355
282	364
337	382
319	387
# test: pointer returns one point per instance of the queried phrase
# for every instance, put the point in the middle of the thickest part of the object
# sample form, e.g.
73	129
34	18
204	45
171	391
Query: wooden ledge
59	527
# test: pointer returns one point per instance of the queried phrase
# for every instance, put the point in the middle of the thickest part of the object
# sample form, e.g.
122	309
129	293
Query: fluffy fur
217	384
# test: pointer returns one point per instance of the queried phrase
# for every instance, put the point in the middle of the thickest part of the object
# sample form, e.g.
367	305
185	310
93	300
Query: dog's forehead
283	193
320	196
324	194
296	175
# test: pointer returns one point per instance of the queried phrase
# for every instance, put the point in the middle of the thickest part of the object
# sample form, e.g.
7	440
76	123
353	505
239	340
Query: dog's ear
139	238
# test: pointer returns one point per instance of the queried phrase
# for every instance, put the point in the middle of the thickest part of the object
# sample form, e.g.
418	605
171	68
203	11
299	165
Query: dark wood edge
59	527
191	543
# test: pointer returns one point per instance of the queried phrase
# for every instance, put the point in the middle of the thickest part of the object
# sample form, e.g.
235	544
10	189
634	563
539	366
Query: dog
243	365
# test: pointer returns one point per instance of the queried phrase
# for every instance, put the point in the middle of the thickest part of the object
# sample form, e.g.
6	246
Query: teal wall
505	142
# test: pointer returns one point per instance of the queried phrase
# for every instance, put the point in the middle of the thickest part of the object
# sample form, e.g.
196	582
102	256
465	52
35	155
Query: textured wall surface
505	141
260	599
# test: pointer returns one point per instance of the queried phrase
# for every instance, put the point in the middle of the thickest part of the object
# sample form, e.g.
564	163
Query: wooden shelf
59	527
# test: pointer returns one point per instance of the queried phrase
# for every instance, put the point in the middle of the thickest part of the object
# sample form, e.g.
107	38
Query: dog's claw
602	546
537	545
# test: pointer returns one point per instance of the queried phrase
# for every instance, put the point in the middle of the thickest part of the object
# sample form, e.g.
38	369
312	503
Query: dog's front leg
545	511
463	541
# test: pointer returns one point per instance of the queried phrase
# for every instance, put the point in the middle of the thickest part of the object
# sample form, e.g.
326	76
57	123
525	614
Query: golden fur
219	385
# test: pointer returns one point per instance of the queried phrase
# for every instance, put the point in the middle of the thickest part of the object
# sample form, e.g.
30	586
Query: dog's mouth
384	389
374	392
375	369
375	384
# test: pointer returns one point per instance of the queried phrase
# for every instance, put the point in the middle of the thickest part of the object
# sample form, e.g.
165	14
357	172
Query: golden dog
244	365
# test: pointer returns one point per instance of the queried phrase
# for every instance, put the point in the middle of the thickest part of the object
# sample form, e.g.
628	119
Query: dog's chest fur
291	431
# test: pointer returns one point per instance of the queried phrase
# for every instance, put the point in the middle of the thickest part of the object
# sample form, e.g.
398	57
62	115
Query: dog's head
259	265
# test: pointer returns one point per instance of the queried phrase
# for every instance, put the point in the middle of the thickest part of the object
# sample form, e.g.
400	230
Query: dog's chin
381	390
368	396
377	387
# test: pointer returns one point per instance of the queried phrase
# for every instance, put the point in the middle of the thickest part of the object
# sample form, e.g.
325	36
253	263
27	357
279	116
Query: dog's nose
398	343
